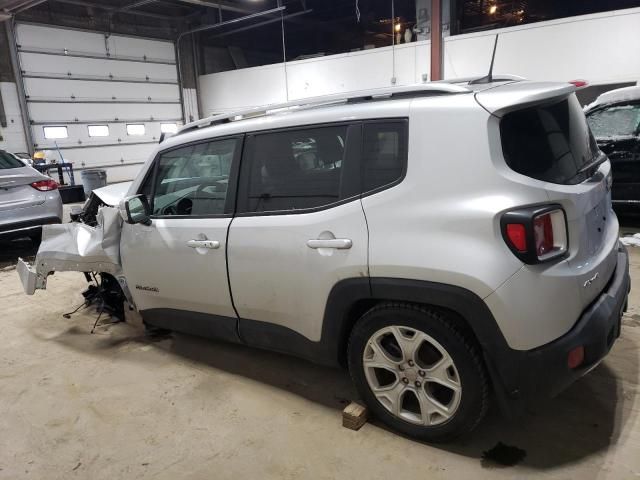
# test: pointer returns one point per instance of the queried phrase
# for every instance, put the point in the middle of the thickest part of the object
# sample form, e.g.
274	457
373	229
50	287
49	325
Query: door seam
366	223
226	259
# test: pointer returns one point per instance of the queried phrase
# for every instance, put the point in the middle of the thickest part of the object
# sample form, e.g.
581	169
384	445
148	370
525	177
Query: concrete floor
117	404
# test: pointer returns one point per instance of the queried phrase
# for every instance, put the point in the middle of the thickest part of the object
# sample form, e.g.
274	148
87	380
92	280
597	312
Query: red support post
436	40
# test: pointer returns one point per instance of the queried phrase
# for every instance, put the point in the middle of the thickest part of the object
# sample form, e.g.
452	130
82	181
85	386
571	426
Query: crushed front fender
75	247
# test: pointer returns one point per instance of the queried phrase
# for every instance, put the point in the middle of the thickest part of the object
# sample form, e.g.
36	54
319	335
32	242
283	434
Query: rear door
300	229
176	267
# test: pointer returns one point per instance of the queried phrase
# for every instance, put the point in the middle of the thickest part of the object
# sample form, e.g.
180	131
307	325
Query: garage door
102	100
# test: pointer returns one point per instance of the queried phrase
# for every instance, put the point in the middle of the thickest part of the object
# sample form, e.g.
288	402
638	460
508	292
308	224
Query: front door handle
210	244
338	243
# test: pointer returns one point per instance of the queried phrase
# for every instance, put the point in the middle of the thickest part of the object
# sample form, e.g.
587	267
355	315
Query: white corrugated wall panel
80	78
38	63
87	112
44	88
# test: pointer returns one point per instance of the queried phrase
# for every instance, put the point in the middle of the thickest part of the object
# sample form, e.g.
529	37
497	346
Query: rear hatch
545	138
15	184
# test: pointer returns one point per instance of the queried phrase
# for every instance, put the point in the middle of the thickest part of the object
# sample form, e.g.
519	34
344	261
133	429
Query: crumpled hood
75	247
83	244
112	194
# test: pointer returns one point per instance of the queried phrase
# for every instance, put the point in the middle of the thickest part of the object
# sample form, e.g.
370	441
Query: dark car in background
614	119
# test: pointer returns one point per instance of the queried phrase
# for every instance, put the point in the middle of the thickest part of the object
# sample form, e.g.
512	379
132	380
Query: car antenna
489	77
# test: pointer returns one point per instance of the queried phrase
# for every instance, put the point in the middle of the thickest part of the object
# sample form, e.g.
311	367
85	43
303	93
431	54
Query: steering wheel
202	186
184	206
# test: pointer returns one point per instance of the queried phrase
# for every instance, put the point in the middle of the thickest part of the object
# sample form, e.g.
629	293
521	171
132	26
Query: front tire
418	372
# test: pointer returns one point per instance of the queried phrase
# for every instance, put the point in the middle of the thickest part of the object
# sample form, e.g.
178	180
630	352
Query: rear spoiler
501	99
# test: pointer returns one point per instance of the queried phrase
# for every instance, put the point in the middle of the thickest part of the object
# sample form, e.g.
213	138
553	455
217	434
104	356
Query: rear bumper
26	227
543	371
596	330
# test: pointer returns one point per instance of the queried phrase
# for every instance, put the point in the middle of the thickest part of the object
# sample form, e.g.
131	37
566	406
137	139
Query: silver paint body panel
440	224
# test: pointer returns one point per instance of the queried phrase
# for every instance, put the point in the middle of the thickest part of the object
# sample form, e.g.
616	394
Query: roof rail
432	88
496	78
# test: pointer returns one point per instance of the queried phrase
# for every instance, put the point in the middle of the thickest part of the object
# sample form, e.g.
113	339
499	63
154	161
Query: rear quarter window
550	142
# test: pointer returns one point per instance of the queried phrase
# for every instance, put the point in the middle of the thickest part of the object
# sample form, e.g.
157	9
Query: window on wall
168	128
98	130
53	133
477	15
135	129
296	169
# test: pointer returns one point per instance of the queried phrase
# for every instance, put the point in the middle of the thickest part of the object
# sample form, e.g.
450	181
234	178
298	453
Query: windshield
9	161
552	142
615	121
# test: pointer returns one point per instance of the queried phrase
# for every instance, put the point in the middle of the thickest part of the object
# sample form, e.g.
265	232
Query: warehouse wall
11	135
317	76
602	48
11	129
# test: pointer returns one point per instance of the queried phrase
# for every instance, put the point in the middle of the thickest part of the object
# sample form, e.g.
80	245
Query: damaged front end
77	247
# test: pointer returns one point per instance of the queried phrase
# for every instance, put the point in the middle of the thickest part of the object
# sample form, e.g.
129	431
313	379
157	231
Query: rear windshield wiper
593	164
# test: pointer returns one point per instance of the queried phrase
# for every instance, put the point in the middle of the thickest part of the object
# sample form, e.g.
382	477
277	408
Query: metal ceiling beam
230	22
140	3
260	24
211	27
18	7
114	10
218	6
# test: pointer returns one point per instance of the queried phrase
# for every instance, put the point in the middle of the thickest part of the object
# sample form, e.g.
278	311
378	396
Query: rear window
551	143
9	161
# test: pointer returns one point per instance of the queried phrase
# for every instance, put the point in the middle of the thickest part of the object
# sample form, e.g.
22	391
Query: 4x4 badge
147	289
591	280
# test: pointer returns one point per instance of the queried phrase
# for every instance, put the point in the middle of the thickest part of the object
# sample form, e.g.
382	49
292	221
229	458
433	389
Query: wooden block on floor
354	416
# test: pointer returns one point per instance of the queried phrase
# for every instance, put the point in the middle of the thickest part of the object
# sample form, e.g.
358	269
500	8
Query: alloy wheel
412	375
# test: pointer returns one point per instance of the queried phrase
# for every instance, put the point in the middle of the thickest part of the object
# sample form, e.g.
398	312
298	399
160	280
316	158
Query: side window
296	169
192	180
384	153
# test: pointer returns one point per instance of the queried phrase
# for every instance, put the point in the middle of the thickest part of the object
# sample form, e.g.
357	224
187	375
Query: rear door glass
549	142
296	169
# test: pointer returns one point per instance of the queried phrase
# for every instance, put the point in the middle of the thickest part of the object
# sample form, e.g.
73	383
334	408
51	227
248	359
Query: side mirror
135	210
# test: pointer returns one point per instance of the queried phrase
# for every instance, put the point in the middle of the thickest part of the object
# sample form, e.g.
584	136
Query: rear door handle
210	244
338	243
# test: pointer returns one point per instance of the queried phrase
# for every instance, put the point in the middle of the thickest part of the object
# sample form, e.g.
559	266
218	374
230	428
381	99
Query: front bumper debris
75	247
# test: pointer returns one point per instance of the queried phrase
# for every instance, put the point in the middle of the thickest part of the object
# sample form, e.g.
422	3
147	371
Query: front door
176	267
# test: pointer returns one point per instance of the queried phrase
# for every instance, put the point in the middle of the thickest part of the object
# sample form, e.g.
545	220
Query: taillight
45	185
517	236
536	234
550	233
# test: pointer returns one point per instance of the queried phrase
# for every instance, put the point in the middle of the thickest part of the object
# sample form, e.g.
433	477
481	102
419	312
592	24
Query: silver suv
446	242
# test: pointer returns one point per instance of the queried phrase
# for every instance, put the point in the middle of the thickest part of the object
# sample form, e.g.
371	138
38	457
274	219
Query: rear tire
418	372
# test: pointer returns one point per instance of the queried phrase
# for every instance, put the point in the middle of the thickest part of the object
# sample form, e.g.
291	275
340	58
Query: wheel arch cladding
349	299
